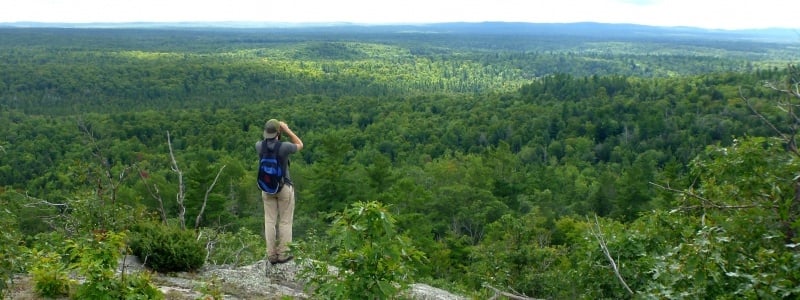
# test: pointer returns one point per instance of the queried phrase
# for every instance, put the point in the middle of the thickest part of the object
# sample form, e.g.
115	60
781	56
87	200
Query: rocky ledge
257	281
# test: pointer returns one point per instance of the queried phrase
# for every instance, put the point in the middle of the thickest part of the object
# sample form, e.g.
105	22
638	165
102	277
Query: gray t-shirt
285	150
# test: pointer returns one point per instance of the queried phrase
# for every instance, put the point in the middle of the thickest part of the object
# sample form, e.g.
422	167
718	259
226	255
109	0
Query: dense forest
586	161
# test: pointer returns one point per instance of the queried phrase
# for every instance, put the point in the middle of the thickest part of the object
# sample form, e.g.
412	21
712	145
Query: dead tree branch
112	182
687	193
708	204
205	199
238	253
210	243
59	206
62	209
498	293
787	138
793	90
598	234
156	194
181	185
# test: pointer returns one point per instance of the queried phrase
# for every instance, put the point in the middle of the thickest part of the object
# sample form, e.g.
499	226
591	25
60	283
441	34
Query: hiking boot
284	259
273	259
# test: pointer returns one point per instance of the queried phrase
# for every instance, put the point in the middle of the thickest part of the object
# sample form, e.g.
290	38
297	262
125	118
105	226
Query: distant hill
616	30
583	29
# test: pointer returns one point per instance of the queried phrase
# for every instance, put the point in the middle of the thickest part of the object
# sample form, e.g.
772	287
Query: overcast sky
714	14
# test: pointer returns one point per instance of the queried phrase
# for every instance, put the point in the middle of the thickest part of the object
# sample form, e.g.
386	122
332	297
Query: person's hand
283	125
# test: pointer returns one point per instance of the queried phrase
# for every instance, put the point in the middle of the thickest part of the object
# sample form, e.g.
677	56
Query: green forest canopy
466	134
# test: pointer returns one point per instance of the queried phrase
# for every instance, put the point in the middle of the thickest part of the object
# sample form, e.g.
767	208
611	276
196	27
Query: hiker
279	206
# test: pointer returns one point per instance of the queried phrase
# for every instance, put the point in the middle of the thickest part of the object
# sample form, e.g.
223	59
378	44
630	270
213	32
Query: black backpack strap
263	150
278	157
266	150
277	149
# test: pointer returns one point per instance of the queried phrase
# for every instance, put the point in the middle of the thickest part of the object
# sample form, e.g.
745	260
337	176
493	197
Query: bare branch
687	193
211	241
239	252
791	88
498	293
723	207
205	199
708	204
181	186
90	134
115	185
60	206
112	183
51	221
793	91
156	194
598	234
760	116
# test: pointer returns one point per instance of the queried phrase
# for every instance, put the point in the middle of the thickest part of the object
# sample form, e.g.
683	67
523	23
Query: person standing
279	207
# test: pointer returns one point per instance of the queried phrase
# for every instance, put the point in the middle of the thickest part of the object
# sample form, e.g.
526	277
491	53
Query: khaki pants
278	216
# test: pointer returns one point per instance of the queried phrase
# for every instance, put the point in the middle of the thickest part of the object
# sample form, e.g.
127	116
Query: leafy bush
372	260
167	248
212	289
96	259
516	253
737	236
9	249
140	286
239	248
49	275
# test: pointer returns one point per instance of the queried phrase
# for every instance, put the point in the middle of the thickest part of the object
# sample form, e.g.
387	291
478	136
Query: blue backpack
270	172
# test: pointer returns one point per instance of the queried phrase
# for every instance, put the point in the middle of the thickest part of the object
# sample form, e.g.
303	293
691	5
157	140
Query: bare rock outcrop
260	280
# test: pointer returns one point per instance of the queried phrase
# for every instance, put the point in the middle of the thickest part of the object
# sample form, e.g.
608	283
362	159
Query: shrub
49	274
140	286
166	248
10	249
233	248
96	259
212	290
372	259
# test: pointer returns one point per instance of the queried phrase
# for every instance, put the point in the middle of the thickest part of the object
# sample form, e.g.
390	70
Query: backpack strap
266	150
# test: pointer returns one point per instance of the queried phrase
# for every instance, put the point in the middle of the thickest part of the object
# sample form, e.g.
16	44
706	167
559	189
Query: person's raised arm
292	137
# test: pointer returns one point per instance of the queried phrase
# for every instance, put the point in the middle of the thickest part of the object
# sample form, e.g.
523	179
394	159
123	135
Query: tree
517	254
733	239
789	208
331	181
739	218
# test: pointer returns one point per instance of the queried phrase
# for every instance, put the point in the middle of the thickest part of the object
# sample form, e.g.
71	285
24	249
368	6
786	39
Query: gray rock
260	280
